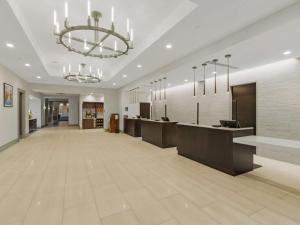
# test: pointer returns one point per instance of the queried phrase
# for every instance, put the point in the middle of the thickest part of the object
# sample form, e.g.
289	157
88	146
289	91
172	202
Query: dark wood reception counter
159	133
132	127
214	147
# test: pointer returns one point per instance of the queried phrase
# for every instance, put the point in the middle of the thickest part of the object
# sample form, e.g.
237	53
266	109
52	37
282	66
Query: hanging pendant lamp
215	73
165	91
228	70
204	78
151	91
159	89
194	69
155	85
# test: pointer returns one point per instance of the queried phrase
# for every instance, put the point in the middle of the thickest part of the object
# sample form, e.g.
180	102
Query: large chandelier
82	76
91	39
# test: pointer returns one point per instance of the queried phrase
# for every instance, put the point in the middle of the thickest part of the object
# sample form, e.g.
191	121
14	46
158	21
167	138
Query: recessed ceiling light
27	65
39	77
288	52
186	80
10	45
169	85
169	46
139	66
91	93
114	84
124	76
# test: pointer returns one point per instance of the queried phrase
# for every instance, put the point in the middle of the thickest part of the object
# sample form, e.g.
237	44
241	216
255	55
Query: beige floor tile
124	218
78	196
110	201
151	214
192	191
86	174
86	214
4	189
292	199
170	222
100	179
279	205
158	187
226	215
233	199
268	217
13	207
186	212
140	198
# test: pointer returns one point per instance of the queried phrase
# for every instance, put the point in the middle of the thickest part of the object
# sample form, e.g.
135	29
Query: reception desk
215	148
159	133
132	127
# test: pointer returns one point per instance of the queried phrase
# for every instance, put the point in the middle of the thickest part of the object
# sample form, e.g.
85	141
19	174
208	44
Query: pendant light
204	78
151	91
194	69
215	73
159	89
155	85
228	70
165	86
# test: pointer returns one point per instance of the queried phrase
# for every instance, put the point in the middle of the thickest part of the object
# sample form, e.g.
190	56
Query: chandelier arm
111	49
63	33
95	45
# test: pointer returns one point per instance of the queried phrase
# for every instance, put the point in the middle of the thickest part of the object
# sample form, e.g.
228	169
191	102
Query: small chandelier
82	76
96	47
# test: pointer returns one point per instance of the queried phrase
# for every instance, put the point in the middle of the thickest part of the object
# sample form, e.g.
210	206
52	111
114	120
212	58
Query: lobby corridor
67	176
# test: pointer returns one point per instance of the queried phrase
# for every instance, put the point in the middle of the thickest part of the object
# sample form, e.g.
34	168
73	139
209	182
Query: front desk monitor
230	123
166	119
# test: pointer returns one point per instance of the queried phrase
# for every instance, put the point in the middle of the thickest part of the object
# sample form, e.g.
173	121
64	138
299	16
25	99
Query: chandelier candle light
96	47
82	76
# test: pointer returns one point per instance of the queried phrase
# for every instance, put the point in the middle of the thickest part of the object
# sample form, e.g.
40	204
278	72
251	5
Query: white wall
125	100
9	116
73	110
278	104
35	105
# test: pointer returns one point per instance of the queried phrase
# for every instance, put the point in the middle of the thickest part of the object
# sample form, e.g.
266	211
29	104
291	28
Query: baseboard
6	146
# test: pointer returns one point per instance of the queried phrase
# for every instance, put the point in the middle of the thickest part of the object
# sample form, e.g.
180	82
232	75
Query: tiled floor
62	176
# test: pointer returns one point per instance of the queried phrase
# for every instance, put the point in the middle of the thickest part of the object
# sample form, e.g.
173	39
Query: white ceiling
188	25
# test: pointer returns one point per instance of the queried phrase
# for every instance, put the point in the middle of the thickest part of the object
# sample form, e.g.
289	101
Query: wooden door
244	105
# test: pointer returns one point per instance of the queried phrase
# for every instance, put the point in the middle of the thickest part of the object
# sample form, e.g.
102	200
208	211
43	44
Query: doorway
57	112
244	105
21	114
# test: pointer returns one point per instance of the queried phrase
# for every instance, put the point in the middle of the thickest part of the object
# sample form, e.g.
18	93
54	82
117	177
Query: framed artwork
8	95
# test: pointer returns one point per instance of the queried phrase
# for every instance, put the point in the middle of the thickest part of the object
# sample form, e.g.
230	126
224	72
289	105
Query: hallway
67	176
